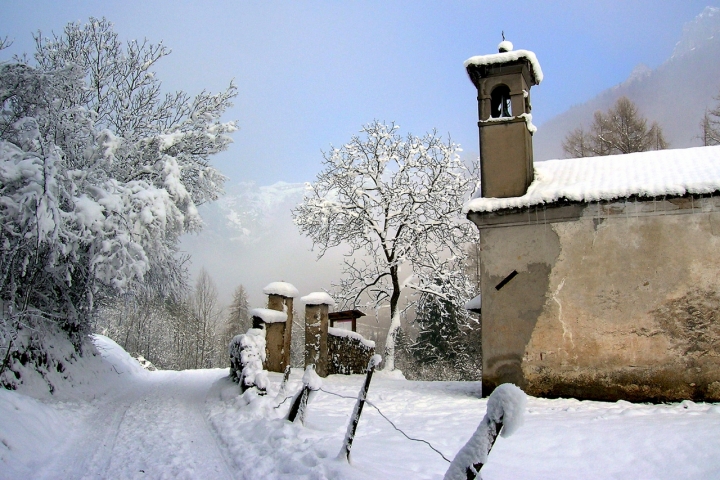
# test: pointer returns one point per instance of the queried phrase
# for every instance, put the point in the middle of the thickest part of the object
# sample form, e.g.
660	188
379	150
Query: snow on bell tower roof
505	56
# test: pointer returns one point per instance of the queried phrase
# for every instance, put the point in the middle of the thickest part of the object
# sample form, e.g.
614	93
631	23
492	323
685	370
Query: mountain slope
675	94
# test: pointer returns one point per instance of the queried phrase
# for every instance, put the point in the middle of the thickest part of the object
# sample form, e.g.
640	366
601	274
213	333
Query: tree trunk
394	322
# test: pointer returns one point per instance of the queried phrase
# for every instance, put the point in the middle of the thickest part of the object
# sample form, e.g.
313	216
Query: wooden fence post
311	383
355	418
505	412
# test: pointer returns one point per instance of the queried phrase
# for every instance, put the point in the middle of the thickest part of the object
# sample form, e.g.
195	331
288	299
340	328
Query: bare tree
621	130
205	316
395	202
711	125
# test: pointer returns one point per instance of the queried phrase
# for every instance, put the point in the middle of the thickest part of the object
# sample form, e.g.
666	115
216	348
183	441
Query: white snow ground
194	424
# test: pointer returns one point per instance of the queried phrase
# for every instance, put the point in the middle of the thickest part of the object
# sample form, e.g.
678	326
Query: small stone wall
348	352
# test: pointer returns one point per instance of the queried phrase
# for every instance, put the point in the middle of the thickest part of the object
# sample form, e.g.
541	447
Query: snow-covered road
155	428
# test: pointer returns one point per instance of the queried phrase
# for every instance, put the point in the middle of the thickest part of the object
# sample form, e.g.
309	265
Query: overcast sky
310	74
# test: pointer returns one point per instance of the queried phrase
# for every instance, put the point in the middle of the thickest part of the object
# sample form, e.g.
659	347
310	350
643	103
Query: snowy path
126	423
156	428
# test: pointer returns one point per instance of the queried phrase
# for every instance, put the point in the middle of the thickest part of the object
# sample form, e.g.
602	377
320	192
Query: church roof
644	174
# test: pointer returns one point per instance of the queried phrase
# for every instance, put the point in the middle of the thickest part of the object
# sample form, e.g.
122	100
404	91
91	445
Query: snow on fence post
316	330
355	417
311	384
279	335
505	413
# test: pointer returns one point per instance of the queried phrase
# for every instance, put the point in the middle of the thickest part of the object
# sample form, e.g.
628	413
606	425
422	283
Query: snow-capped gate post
505	413
316	330
280	298
355	417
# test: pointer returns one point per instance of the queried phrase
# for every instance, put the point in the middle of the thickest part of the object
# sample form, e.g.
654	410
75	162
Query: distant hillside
675	94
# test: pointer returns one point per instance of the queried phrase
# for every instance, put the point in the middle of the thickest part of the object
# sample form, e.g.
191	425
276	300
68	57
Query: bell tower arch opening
500	105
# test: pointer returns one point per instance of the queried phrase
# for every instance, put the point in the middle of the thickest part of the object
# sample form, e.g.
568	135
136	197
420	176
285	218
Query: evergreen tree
238	319
440	334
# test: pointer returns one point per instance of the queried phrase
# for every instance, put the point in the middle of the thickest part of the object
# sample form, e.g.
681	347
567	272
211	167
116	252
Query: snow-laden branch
100	173
396	202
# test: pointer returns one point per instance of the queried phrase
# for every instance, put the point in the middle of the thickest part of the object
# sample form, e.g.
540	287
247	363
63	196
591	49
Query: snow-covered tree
100	174
440	322
395	203
621	130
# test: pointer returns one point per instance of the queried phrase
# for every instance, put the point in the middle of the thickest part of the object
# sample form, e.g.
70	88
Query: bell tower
503	82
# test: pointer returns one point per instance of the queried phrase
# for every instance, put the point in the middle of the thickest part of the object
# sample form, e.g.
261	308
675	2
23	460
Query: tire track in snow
156	429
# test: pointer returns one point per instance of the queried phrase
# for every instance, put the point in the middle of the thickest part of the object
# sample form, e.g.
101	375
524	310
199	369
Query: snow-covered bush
247	354
99	176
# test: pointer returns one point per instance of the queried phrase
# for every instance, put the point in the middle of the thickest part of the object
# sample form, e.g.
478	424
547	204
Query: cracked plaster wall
612	307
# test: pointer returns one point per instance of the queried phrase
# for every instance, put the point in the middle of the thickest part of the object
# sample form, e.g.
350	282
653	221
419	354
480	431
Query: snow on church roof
506	57
646	174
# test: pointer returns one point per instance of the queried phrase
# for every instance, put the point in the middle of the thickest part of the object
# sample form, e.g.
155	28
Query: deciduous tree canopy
100	173
395	202
711	125
620	130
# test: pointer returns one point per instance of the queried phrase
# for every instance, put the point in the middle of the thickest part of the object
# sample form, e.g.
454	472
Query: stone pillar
273	322
282	304
279	335
316	331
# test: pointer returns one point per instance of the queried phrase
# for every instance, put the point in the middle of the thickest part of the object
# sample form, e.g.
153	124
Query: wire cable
391	423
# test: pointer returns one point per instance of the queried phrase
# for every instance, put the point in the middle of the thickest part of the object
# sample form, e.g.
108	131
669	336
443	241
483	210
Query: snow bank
119	360
283	289
646	174
30	432
47	365
269	316
318	298
339	332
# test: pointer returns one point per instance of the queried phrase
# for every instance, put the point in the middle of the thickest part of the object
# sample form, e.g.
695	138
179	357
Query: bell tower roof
483	65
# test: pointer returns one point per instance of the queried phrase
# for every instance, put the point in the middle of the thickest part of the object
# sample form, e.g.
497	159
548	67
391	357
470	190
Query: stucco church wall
610	301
